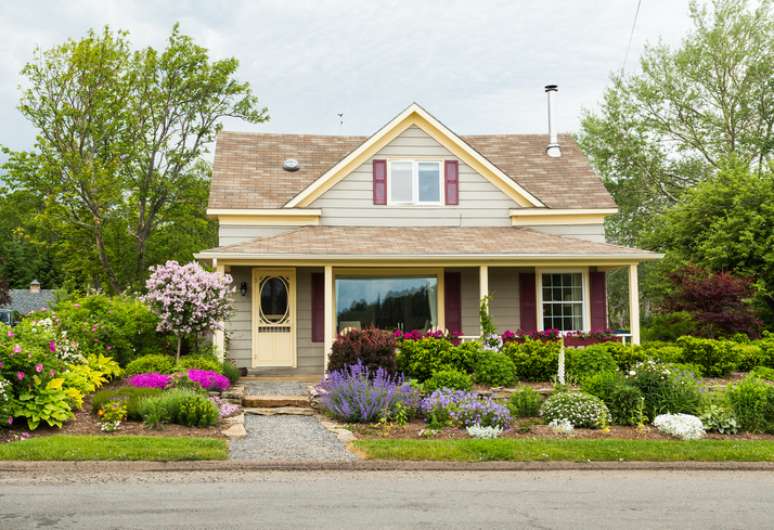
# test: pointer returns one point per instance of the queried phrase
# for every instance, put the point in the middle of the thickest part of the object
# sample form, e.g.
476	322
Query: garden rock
280	411
234	420
274	401
235	431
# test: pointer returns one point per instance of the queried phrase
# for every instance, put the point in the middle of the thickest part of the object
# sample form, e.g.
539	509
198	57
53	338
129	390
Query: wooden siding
350	202
233	234
595	232
504	289
238	327
310	354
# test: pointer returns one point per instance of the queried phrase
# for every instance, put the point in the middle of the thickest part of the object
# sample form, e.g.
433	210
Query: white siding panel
238	327
504	289
233	234
594	232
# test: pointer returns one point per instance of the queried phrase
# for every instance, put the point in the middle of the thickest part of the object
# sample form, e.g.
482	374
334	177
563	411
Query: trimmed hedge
534	360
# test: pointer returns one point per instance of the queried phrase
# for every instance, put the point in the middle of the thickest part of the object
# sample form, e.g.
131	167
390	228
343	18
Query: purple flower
52	346
150	380
208	379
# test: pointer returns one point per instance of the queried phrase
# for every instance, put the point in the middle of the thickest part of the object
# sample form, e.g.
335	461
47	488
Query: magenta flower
20	376
150	380
2	364
10	333
52	346
17	348
208	379
39	367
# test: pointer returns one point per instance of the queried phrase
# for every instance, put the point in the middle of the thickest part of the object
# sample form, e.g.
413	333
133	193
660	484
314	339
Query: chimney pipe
552	149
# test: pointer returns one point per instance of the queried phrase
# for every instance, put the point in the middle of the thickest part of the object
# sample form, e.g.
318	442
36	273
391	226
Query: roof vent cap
291	164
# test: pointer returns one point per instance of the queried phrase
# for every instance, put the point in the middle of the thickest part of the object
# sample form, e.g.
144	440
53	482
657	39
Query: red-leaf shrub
716	300
374	347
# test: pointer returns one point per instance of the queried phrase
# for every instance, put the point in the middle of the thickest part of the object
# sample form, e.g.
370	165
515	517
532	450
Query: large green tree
117	163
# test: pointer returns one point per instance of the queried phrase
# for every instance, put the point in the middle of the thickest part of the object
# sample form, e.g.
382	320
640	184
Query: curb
49	467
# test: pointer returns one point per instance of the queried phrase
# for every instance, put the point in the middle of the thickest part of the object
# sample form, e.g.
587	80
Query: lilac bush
356	395
187	299
465	409
150	380
209	380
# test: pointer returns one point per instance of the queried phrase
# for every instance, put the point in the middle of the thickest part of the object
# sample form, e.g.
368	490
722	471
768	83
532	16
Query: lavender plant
455	407
355	394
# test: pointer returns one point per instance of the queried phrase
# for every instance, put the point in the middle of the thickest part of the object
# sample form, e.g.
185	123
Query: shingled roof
248	167
422	242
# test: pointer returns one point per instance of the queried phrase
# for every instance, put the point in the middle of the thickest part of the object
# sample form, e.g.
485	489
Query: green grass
157	448
524	450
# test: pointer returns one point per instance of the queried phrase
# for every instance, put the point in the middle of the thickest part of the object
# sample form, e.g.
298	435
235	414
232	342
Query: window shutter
318	307
380	181
452	286
598	291
452	177
527	302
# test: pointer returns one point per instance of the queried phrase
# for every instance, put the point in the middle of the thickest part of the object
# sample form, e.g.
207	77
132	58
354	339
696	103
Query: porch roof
423	243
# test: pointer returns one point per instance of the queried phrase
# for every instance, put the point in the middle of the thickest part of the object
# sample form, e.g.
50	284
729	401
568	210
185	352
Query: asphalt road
552	499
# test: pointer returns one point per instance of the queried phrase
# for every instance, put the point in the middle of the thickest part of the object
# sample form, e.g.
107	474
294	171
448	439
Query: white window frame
585	289
415	182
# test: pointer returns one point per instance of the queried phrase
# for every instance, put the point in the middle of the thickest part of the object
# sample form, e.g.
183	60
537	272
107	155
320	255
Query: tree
661	131
187	299
5	296
118	151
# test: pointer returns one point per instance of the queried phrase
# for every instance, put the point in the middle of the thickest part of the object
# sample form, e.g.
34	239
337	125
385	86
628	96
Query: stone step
279	411
275	401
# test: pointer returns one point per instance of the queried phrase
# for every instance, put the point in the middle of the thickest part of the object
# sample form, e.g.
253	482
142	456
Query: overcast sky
479	66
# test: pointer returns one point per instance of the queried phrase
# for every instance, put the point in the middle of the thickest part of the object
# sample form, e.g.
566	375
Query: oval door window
274	300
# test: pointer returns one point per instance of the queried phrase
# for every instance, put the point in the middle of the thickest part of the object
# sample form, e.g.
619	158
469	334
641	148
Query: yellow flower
101	412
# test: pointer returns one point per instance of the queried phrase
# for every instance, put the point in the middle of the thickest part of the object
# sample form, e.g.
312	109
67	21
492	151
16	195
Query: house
407	228
25	301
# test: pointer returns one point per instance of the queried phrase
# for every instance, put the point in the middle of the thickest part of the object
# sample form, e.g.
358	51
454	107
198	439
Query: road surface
551	499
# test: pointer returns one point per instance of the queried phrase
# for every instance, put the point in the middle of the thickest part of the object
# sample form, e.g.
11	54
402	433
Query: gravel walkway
276	388
288	439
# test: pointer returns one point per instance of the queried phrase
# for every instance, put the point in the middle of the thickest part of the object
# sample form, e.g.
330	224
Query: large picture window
562	301
387	302
415	182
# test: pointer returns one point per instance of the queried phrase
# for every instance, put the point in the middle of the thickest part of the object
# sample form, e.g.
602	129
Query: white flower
562	426
487	433
632	372
683	426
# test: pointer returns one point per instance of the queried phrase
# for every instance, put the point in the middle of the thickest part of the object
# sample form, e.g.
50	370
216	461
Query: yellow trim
414	115
558	220
273	220
262	212
256	296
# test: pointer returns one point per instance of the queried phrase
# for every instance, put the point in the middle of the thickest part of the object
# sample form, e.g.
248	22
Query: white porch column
329	321
634	304
483	284
219	337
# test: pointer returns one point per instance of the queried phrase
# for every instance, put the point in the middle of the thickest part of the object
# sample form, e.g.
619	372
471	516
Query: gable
350	200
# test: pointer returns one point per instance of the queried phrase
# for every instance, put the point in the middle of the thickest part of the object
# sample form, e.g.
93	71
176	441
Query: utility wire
631	36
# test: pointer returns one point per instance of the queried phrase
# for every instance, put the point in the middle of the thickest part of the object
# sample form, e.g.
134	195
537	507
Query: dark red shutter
527	301
318	307
598	301
452	172
380	182
452	285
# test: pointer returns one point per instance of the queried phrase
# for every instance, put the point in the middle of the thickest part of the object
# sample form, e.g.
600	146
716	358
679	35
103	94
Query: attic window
291	164
415	182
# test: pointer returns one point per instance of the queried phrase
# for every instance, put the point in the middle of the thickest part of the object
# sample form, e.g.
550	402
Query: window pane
400	182
429	182
388	303
563	301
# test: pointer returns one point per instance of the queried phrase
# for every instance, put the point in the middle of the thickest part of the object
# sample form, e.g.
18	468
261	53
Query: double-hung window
562	300
415	182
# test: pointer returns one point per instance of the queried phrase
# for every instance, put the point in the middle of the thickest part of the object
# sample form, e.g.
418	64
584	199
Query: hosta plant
683	426
719	419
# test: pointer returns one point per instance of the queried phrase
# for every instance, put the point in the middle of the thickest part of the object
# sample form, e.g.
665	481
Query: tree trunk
179	343
103	258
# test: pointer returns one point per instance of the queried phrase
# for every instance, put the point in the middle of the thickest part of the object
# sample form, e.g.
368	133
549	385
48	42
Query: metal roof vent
291	164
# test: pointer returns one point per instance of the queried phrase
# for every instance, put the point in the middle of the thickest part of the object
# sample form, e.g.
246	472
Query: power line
631	36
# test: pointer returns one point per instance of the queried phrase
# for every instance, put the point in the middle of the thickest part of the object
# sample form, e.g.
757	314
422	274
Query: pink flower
10	420
108	347
51	373
77	306
20	376
10	333
17	348
52	346
39	367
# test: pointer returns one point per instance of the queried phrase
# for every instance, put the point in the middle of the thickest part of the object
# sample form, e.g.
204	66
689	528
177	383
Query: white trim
517	212
612	259
585	286
634	304
415	182
395	122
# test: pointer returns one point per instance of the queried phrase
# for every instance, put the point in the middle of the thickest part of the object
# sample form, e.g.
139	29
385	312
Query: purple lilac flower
149	380
208	379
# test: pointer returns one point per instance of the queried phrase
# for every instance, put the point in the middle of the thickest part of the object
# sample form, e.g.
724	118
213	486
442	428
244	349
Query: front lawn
524	450
155	448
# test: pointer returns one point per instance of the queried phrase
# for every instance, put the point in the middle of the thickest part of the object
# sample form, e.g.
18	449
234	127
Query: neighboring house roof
24	301
248	172
362	242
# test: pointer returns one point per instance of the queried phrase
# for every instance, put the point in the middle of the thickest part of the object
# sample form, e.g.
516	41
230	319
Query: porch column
483	284
329	323
634	304
219	337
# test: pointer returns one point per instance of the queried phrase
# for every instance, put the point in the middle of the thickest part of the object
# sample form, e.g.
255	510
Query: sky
478	65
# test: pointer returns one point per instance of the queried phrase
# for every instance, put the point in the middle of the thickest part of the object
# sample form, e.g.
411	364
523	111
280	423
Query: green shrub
592	359
231	371
669	326
525	402
448	378
623	400
664	352
181	406
495	369
752	401
716	357
625	355
375	348
163	364
199	362
764	372
535	360
665	389
197	411
720	419
579	408
128	395
749	355
421	358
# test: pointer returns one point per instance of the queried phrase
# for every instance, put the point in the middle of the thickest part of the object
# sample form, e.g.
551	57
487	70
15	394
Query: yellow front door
274	318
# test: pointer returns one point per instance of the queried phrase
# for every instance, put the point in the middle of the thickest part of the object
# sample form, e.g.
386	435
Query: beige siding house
406	229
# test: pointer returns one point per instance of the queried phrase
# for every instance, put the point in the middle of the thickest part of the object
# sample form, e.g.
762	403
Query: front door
274	318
